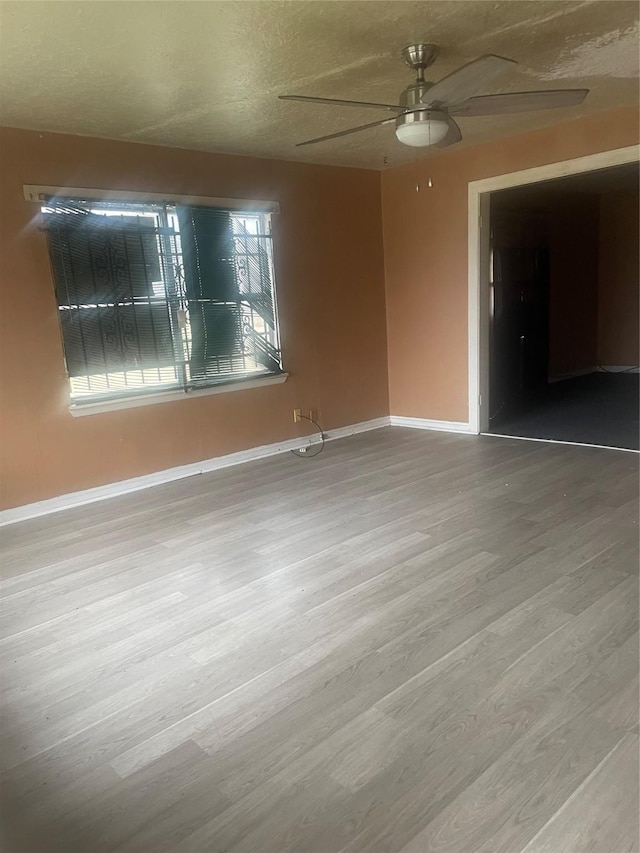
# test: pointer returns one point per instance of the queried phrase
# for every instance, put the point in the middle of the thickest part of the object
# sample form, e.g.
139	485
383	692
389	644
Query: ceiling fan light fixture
422	128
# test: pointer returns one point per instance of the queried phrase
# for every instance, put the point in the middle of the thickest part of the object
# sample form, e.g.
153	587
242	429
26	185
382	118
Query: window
159	296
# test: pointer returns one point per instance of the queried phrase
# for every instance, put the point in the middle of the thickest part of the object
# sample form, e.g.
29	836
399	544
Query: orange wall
331	276
618	288
329	270
425	245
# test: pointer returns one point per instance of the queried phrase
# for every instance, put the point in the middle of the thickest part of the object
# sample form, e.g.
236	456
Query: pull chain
417	166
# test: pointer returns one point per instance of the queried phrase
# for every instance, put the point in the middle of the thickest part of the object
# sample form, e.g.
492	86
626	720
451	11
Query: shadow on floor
601	408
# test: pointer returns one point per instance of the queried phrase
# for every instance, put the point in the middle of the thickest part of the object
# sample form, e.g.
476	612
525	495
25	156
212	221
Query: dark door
519	331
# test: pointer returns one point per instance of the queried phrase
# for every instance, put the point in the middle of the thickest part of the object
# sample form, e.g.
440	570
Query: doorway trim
478	263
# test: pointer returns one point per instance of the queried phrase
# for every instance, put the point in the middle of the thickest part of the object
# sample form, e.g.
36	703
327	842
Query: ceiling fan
424	114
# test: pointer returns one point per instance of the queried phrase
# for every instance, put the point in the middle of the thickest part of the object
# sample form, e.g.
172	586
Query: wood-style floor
414	642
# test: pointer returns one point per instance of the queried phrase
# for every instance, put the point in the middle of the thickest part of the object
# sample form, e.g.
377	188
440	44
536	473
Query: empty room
274	578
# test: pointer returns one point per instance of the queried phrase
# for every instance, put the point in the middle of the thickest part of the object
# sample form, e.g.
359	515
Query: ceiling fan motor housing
412	95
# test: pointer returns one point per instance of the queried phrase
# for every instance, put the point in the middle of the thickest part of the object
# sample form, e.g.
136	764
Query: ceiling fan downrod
418	57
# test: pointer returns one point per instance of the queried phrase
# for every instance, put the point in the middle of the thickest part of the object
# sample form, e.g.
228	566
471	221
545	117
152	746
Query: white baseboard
559	441
363	426
424	423
618	368
583	371
603	368
123	487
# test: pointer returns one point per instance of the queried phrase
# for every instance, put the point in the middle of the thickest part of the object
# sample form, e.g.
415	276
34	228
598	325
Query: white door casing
478	254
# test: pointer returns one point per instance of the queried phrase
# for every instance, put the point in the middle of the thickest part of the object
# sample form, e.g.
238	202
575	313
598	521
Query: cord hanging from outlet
304	452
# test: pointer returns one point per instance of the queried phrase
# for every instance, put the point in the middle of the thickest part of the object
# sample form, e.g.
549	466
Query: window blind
165	295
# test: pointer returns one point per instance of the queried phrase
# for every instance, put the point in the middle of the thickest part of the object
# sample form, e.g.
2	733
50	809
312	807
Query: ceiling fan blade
454	135
346	132
394	107
466	80
517	102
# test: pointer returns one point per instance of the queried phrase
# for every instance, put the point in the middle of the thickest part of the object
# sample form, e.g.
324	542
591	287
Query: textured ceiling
206	75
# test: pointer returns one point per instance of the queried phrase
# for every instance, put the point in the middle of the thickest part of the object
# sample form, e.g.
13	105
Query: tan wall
618	286
329	269
425	242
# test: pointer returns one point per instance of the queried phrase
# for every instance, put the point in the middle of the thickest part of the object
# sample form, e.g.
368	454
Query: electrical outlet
296	416
313	414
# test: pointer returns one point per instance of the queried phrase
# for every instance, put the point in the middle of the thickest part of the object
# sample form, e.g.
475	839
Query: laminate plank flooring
414	642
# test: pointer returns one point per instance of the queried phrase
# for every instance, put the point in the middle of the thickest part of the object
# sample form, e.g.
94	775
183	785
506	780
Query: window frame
41	194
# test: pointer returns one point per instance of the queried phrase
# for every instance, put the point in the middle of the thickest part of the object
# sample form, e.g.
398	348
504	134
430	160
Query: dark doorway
564	307
519	336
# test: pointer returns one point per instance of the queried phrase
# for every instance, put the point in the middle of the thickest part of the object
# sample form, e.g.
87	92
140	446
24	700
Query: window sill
79	410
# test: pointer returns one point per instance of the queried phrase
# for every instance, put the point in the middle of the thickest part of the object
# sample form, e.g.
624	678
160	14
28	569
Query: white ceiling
206	75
